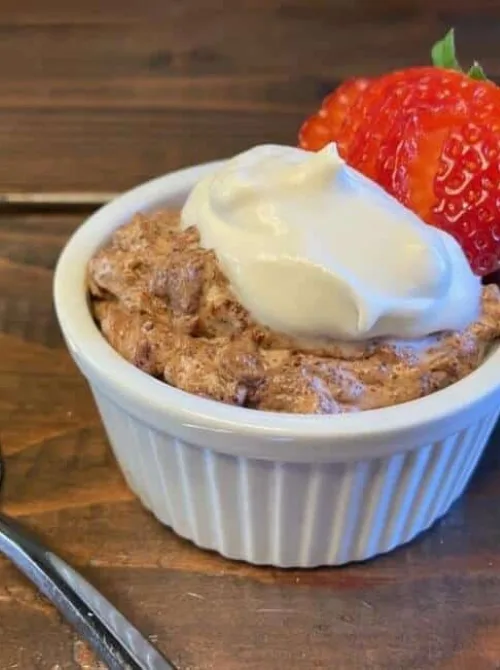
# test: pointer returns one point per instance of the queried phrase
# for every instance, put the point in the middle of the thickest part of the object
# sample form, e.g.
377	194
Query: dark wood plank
99	96
142	144
433	604
115	11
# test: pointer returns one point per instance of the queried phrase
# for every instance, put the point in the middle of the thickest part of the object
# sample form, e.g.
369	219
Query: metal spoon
118	643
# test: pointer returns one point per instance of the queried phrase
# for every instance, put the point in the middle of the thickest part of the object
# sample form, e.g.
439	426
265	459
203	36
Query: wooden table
97	96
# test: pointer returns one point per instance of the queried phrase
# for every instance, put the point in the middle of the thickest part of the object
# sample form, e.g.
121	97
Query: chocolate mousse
163	302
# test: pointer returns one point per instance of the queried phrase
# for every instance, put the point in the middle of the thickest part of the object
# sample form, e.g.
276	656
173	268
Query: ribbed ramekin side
292	514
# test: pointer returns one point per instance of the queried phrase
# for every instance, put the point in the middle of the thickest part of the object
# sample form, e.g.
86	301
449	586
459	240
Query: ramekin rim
92	350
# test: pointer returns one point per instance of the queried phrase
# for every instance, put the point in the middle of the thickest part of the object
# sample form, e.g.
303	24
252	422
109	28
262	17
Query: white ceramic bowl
263	487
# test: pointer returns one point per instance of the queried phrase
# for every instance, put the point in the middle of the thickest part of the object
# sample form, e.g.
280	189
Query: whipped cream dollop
314	249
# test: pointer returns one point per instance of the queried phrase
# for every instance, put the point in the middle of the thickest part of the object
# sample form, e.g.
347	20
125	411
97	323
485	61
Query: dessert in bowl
294	370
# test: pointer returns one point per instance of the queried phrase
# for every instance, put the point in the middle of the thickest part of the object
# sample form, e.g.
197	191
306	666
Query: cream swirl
316	250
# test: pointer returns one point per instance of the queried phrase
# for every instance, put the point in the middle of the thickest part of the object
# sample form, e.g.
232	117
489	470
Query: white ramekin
263	487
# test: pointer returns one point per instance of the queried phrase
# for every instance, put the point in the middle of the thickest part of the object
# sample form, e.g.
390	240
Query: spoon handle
119	644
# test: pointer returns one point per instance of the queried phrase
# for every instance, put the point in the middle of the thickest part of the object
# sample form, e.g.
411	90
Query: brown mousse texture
165	305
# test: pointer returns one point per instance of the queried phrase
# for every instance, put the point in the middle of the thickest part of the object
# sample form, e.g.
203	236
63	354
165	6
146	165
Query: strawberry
440	156
382	108
315	132
325	126
448	172
431	137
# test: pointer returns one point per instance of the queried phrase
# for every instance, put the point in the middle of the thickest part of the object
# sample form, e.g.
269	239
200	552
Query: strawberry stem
476	72
444	55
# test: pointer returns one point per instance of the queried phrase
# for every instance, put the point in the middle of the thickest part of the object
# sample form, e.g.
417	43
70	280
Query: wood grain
433	604
96	97
151	86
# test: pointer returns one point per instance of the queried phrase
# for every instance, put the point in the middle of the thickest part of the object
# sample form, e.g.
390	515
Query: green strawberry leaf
444	55
443	52
477	72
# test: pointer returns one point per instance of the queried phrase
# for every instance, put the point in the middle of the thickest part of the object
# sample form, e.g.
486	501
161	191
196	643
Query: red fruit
450	96
315	132
431	137
448	172
403	141
325	126
372	113
337	105
385	106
